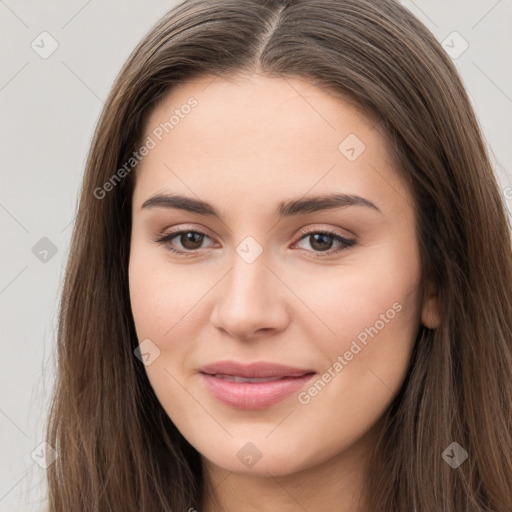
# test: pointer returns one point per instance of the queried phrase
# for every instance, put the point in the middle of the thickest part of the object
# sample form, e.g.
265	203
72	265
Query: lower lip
254	395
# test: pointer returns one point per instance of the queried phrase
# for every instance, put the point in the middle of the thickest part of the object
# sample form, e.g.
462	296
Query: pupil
323	242
191	240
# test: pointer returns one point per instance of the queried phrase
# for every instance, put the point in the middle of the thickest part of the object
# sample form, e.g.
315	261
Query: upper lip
253	370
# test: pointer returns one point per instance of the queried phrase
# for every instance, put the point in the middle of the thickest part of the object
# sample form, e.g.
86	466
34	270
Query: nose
251	301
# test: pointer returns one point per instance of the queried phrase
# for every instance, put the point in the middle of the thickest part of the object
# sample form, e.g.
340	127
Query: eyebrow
284	209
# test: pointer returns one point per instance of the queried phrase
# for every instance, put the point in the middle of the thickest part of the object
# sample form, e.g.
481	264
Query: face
290	259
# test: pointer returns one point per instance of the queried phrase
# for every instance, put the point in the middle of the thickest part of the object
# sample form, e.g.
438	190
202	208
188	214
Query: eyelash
346	243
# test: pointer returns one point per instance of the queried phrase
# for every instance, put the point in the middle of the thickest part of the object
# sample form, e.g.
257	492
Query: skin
248	145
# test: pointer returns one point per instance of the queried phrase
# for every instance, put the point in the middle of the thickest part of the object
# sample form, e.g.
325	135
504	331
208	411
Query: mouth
236	378
253	386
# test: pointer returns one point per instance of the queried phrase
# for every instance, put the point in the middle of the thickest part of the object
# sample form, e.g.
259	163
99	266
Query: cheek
162	294
375	317
164	301
370	316
381	289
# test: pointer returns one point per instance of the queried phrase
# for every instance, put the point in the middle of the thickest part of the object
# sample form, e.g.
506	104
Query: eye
190	240
322	241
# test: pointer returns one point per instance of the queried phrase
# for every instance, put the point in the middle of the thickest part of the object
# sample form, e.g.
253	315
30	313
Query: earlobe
430	315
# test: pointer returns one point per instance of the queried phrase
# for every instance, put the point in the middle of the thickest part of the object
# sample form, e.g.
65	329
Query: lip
282	381
258	369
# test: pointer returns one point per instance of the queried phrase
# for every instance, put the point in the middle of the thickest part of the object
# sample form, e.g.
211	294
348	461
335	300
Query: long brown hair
118	450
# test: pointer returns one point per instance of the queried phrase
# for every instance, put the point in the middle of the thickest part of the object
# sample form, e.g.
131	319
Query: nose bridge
247	284
249	298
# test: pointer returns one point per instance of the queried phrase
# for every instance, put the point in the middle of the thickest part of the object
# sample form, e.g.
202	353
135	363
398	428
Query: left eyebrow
322	202
288	208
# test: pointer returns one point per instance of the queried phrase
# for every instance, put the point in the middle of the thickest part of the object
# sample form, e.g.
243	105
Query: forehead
262	107
260	134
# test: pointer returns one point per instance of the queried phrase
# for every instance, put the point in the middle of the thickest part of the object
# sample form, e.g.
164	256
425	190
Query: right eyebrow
182	203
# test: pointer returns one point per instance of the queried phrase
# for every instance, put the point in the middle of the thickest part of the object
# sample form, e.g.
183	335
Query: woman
289	286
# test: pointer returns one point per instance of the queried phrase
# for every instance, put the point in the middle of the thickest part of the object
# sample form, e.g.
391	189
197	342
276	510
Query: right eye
190	241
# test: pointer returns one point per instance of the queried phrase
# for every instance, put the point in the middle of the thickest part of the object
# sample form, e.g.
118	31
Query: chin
246	458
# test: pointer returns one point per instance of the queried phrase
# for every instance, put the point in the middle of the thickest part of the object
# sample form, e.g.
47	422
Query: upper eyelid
331	231
178	231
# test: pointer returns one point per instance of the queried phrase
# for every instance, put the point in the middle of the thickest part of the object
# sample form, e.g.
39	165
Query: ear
430	315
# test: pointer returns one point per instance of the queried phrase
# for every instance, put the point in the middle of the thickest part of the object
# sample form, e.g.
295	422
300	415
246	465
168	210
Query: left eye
322	241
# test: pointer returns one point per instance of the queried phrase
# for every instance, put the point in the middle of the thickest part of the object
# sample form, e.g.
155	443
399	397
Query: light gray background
49	109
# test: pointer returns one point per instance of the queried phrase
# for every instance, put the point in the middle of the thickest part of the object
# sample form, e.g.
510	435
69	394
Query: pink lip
258	369
253	395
